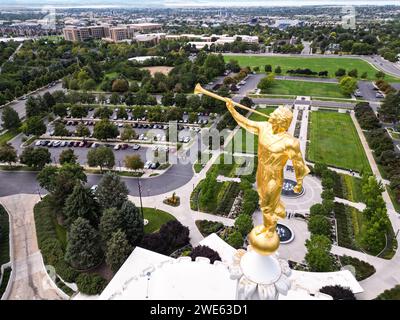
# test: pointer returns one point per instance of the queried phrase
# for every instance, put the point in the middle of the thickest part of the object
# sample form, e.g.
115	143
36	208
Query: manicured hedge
90	284
392	294
345	231
4	236
363	269
206	227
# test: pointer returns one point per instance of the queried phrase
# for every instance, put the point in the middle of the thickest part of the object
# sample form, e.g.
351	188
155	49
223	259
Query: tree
79	111
244	224
10	118
34	125
380	75
266	82
120	85
364	75
82	130
133	162
348	85
206	252
353	73
111	191
118	250
60	130
8	153
318	255
132	222
115	98
235	239
122	114
246	101
174	234
340	72
278	70
180	100
338	292
101	157
60	182
127	133
168	99
36	158
104	130
103	112
318	224
81	203
390	107
268	68
83	248
67	156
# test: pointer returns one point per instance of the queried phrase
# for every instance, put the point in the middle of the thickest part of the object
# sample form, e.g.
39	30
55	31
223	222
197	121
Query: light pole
140	196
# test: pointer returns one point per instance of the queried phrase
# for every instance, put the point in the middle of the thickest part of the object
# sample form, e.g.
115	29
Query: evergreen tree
132	222
118	250
111	191
10	118
81	203
83	249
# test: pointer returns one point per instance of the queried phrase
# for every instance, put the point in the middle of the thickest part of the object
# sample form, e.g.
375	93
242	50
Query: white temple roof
150	275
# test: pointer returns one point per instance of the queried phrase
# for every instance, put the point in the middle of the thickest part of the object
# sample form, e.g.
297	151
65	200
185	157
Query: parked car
82	144
186	139
89	144
124	146
147	165
56	144
379	95
95	145
135	147
76	143
50	144
38	143
63	143
94	188
117	147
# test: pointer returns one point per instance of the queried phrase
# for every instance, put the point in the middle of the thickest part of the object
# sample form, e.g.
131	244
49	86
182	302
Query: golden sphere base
262	241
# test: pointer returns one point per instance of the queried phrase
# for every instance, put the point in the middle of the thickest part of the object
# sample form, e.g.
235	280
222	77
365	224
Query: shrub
67	273
204	251
392	294
363	269
318	224
90	284
244	224
206	227
235	239
338	292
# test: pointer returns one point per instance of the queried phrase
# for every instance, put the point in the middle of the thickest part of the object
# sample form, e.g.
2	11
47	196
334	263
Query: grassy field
334	141
353	188
315	64
243	147
156	219
306	88
5	137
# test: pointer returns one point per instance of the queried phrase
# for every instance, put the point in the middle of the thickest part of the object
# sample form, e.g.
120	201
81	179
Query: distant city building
111	33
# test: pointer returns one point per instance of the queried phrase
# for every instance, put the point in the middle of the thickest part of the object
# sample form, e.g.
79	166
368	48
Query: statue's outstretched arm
300	167
249	125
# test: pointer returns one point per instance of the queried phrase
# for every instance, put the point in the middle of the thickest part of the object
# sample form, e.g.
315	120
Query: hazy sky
191	3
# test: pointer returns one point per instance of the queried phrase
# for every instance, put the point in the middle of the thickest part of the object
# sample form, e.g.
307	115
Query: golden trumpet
200	90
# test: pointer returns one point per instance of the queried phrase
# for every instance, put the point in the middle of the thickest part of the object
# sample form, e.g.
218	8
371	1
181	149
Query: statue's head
280	119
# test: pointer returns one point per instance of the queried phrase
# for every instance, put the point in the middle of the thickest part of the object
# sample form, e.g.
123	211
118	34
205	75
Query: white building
149	275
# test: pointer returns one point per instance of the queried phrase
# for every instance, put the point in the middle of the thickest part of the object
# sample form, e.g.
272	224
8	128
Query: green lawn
353	188
5	137
335	142
242	146
315	64
306	88
156	219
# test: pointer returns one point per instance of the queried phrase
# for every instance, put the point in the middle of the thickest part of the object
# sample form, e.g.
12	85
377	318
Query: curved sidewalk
29	279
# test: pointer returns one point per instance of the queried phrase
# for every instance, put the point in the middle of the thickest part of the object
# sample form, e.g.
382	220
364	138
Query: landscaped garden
335	142
156	218
316	64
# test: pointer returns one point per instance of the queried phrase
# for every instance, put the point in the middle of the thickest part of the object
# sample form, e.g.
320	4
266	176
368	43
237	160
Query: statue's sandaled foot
263	240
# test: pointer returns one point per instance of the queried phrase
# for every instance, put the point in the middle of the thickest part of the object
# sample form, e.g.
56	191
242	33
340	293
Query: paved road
29	280
19	105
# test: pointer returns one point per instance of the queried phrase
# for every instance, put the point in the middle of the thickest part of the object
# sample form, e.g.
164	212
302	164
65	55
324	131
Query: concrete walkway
29	279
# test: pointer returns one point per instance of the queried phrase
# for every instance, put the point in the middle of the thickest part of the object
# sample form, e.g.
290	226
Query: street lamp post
140	197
